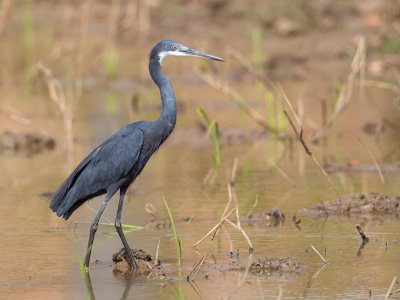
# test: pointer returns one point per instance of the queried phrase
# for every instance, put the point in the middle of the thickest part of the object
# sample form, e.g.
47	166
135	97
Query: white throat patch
168	53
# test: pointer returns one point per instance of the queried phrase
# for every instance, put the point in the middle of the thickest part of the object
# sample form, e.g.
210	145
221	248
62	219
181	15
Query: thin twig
199	267
225	211
283	173
388	293
253	208
214	228
374	161
280	292
251	249
316	251
362	234
157	250
234	169
195	267
300	137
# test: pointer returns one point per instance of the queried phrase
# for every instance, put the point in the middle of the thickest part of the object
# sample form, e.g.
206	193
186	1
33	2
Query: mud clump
270	217
144	261
28	142
358	205
260	265
282	265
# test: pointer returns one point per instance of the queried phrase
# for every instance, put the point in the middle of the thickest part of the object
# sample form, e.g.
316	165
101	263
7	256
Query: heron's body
116	163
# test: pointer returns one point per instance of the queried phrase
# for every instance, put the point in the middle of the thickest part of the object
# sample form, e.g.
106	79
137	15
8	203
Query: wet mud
146	264
372	204
270	217
25	142
259	265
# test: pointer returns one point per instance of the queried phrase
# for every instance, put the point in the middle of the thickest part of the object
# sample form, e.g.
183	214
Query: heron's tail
59	204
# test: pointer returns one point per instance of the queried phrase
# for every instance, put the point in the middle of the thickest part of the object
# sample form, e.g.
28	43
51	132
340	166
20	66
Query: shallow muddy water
40	253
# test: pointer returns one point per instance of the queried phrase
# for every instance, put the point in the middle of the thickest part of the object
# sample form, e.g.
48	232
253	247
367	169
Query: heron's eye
174	48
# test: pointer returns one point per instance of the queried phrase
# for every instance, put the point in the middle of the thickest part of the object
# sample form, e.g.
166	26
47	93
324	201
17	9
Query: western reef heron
115	164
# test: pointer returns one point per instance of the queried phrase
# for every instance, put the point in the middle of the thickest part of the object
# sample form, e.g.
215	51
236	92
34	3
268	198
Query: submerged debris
144	262
32	143
270	217
356	205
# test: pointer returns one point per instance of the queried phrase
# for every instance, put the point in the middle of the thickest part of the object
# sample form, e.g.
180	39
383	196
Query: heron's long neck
168	112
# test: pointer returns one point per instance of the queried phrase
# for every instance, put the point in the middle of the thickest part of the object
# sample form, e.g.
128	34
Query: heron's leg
118	227
93	229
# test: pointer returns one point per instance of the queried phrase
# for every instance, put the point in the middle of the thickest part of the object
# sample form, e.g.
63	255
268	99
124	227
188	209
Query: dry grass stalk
253	208
226	90
198	266
157	251
300	137
214	228
280	292
234	169
358	67
316	251
283	173
58	95
388	293
374	161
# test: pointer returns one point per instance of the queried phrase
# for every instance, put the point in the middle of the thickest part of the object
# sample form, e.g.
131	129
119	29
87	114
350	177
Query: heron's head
169	47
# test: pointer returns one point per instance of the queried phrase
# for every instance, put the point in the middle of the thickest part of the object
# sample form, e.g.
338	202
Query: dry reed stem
234	169
283	173
226	90
58	95
207	177
374	161
382	85
388	293
358	66
316	251
254	207
300	137
289	104
214	228
157	251
225	210
280	292
152	211
362	234
240	229
199	267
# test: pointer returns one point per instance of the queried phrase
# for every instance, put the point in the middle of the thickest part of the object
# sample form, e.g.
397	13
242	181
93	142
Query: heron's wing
104	166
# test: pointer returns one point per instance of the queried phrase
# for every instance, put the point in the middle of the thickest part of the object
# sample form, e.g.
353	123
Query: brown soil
144	261
28	142
260	265
358	205
270	217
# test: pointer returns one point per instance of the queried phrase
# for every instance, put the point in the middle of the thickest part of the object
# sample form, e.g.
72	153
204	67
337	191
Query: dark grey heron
115	164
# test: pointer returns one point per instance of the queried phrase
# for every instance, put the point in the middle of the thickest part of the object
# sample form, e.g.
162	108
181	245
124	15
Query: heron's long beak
192	52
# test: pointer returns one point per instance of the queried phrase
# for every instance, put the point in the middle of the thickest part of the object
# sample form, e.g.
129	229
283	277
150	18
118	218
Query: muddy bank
26	142
259	265
373	204
147	266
